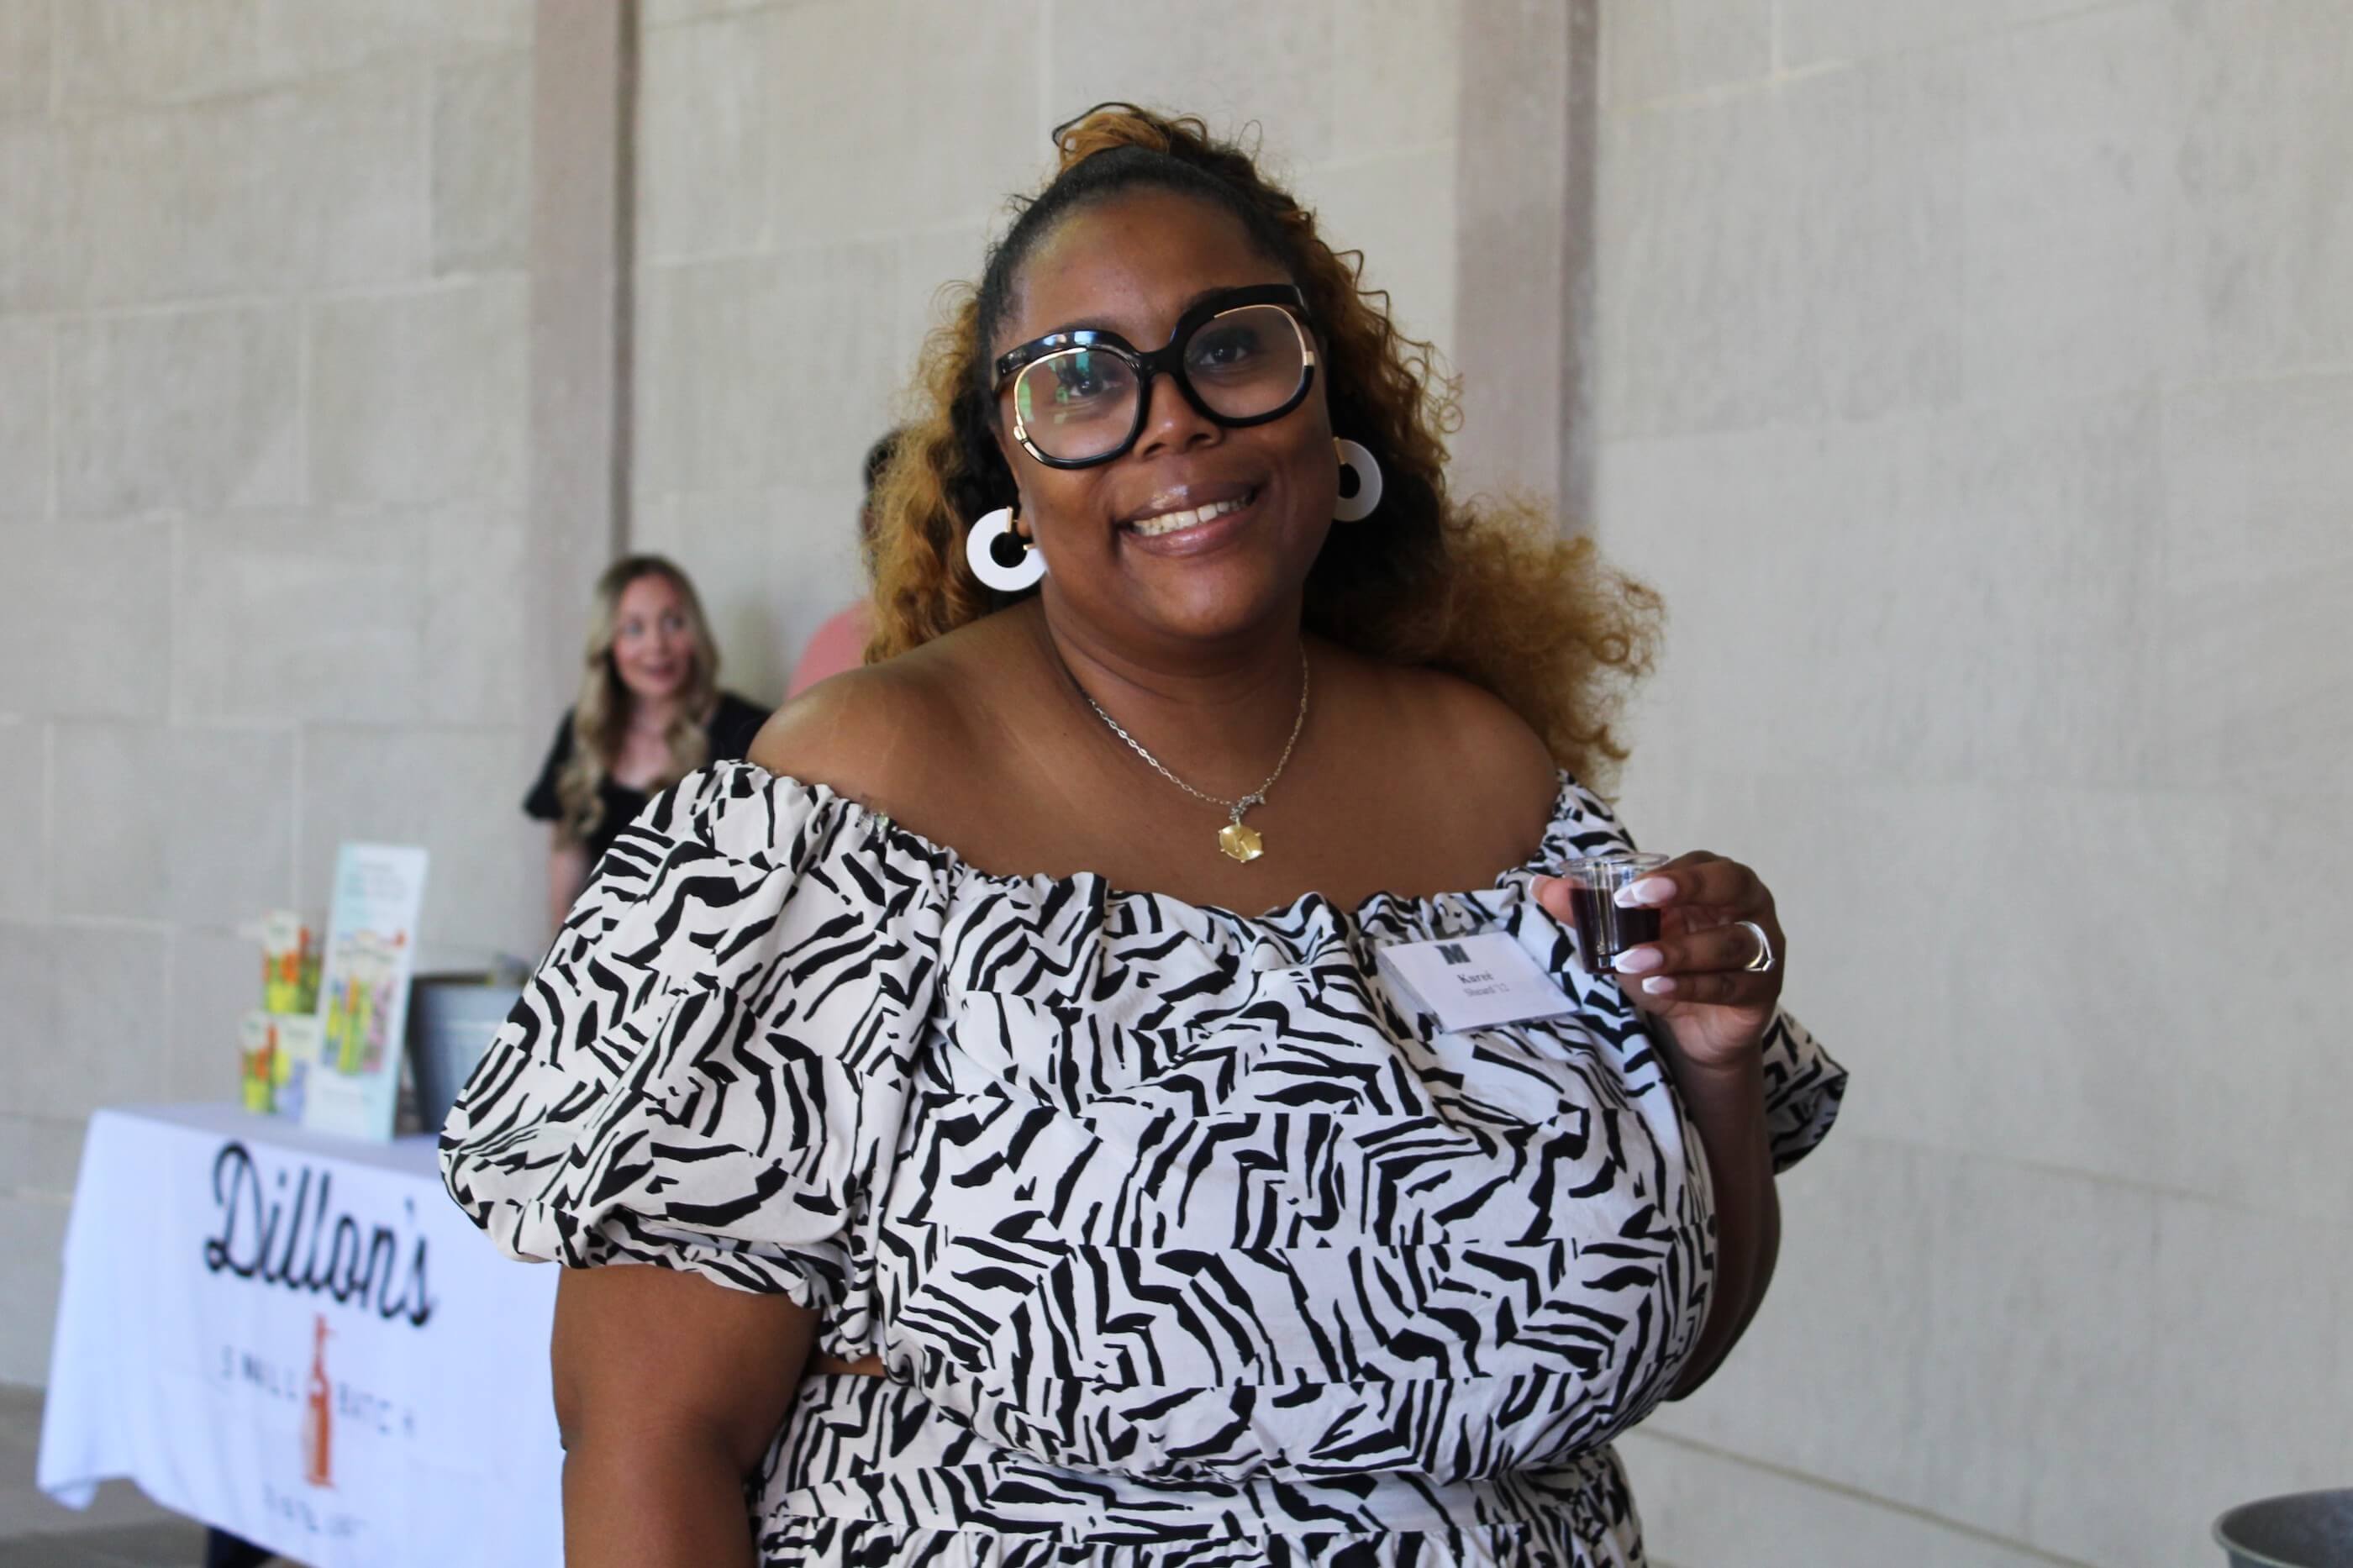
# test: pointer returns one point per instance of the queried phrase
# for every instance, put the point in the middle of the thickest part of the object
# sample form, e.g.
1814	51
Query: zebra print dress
1181	1242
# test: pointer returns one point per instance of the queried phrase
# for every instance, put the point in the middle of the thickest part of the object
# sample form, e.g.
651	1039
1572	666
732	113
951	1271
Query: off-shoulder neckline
1037	883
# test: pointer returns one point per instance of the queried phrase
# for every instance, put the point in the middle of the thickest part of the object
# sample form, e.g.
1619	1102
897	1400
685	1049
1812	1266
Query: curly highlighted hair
1492	592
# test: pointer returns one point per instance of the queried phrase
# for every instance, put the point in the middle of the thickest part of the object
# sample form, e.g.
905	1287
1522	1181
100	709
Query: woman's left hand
1695	978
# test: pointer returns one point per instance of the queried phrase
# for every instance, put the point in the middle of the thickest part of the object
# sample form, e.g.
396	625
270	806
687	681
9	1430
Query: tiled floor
121	1530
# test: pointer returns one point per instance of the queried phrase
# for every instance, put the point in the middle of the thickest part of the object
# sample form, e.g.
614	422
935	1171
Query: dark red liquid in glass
1603	930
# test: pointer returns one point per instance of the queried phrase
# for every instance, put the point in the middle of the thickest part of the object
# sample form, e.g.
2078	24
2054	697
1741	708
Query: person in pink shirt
840	642
836	646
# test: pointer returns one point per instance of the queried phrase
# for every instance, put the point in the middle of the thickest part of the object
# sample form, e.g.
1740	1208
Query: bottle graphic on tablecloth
318	1417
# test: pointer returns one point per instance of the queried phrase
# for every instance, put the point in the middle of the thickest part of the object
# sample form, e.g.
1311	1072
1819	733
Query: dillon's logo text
298	1242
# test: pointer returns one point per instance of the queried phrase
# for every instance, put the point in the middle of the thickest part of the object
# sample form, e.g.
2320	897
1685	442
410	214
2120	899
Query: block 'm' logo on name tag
1473	981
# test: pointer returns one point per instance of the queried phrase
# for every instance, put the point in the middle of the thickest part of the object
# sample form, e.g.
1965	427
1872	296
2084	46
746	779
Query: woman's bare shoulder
905	737
1468	750
882	735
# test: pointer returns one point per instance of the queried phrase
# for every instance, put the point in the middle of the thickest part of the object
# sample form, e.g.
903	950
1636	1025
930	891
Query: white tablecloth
301	1339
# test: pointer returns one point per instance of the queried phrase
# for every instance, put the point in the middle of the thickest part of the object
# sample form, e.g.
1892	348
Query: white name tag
1473	981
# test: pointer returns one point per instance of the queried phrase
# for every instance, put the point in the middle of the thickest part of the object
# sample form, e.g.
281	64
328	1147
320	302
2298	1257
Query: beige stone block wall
184	409
418	397
93	621
262	319
25	420
797	222
1975	387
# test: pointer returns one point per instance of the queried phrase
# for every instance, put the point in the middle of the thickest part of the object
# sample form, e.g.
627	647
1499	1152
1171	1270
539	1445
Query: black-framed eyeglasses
1241	356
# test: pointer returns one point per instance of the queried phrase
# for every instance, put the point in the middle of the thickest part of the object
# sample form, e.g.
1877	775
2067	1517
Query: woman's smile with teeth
1170	521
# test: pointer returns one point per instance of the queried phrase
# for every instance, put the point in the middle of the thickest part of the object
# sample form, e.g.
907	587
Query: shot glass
1603	930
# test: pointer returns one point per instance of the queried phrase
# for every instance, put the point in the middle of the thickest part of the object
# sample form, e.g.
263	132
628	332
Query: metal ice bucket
451	1018
2302	1530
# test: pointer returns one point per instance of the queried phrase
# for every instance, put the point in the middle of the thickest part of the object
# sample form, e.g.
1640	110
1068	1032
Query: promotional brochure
353	1087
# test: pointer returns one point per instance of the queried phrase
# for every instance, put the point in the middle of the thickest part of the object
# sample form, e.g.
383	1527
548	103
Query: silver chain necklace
1234	840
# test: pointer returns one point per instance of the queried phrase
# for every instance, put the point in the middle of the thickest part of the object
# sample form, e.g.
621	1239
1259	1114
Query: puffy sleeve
708	1070
1802	1085
1802	1089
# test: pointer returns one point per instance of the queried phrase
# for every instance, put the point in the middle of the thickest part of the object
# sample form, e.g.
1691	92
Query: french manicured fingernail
1649	890
1638	959
1659	985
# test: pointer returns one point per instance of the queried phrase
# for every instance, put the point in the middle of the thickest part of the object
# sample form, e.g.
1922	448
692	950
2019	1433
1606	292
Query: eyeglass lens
1082	403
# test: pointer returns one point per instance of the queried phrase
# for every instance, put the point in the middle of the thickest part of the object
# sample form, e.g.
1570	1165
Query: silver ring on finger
1766	957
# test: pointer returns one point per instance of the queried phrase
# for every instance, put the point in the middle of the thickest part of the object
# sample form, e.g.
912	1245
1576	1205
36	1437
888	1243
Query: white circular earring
1357	460
982	550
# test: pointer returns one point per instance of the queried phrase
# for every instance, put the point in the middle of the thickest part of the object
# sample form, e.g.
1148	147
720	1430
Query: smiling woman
1110	1083
1491	591
651	712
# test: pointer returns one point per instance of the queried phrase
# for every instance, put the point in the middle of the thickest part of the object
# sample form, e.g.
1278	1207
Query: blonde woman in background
649	712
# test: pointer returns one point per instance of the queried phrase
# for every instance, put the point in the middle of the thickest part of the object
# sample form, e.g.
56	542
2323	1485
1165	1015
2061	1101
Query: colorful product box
289	964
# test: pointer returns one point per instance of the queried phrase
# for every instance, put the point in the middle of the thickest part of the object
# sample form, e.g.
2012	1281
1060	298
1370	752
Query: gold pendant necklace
1236	839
